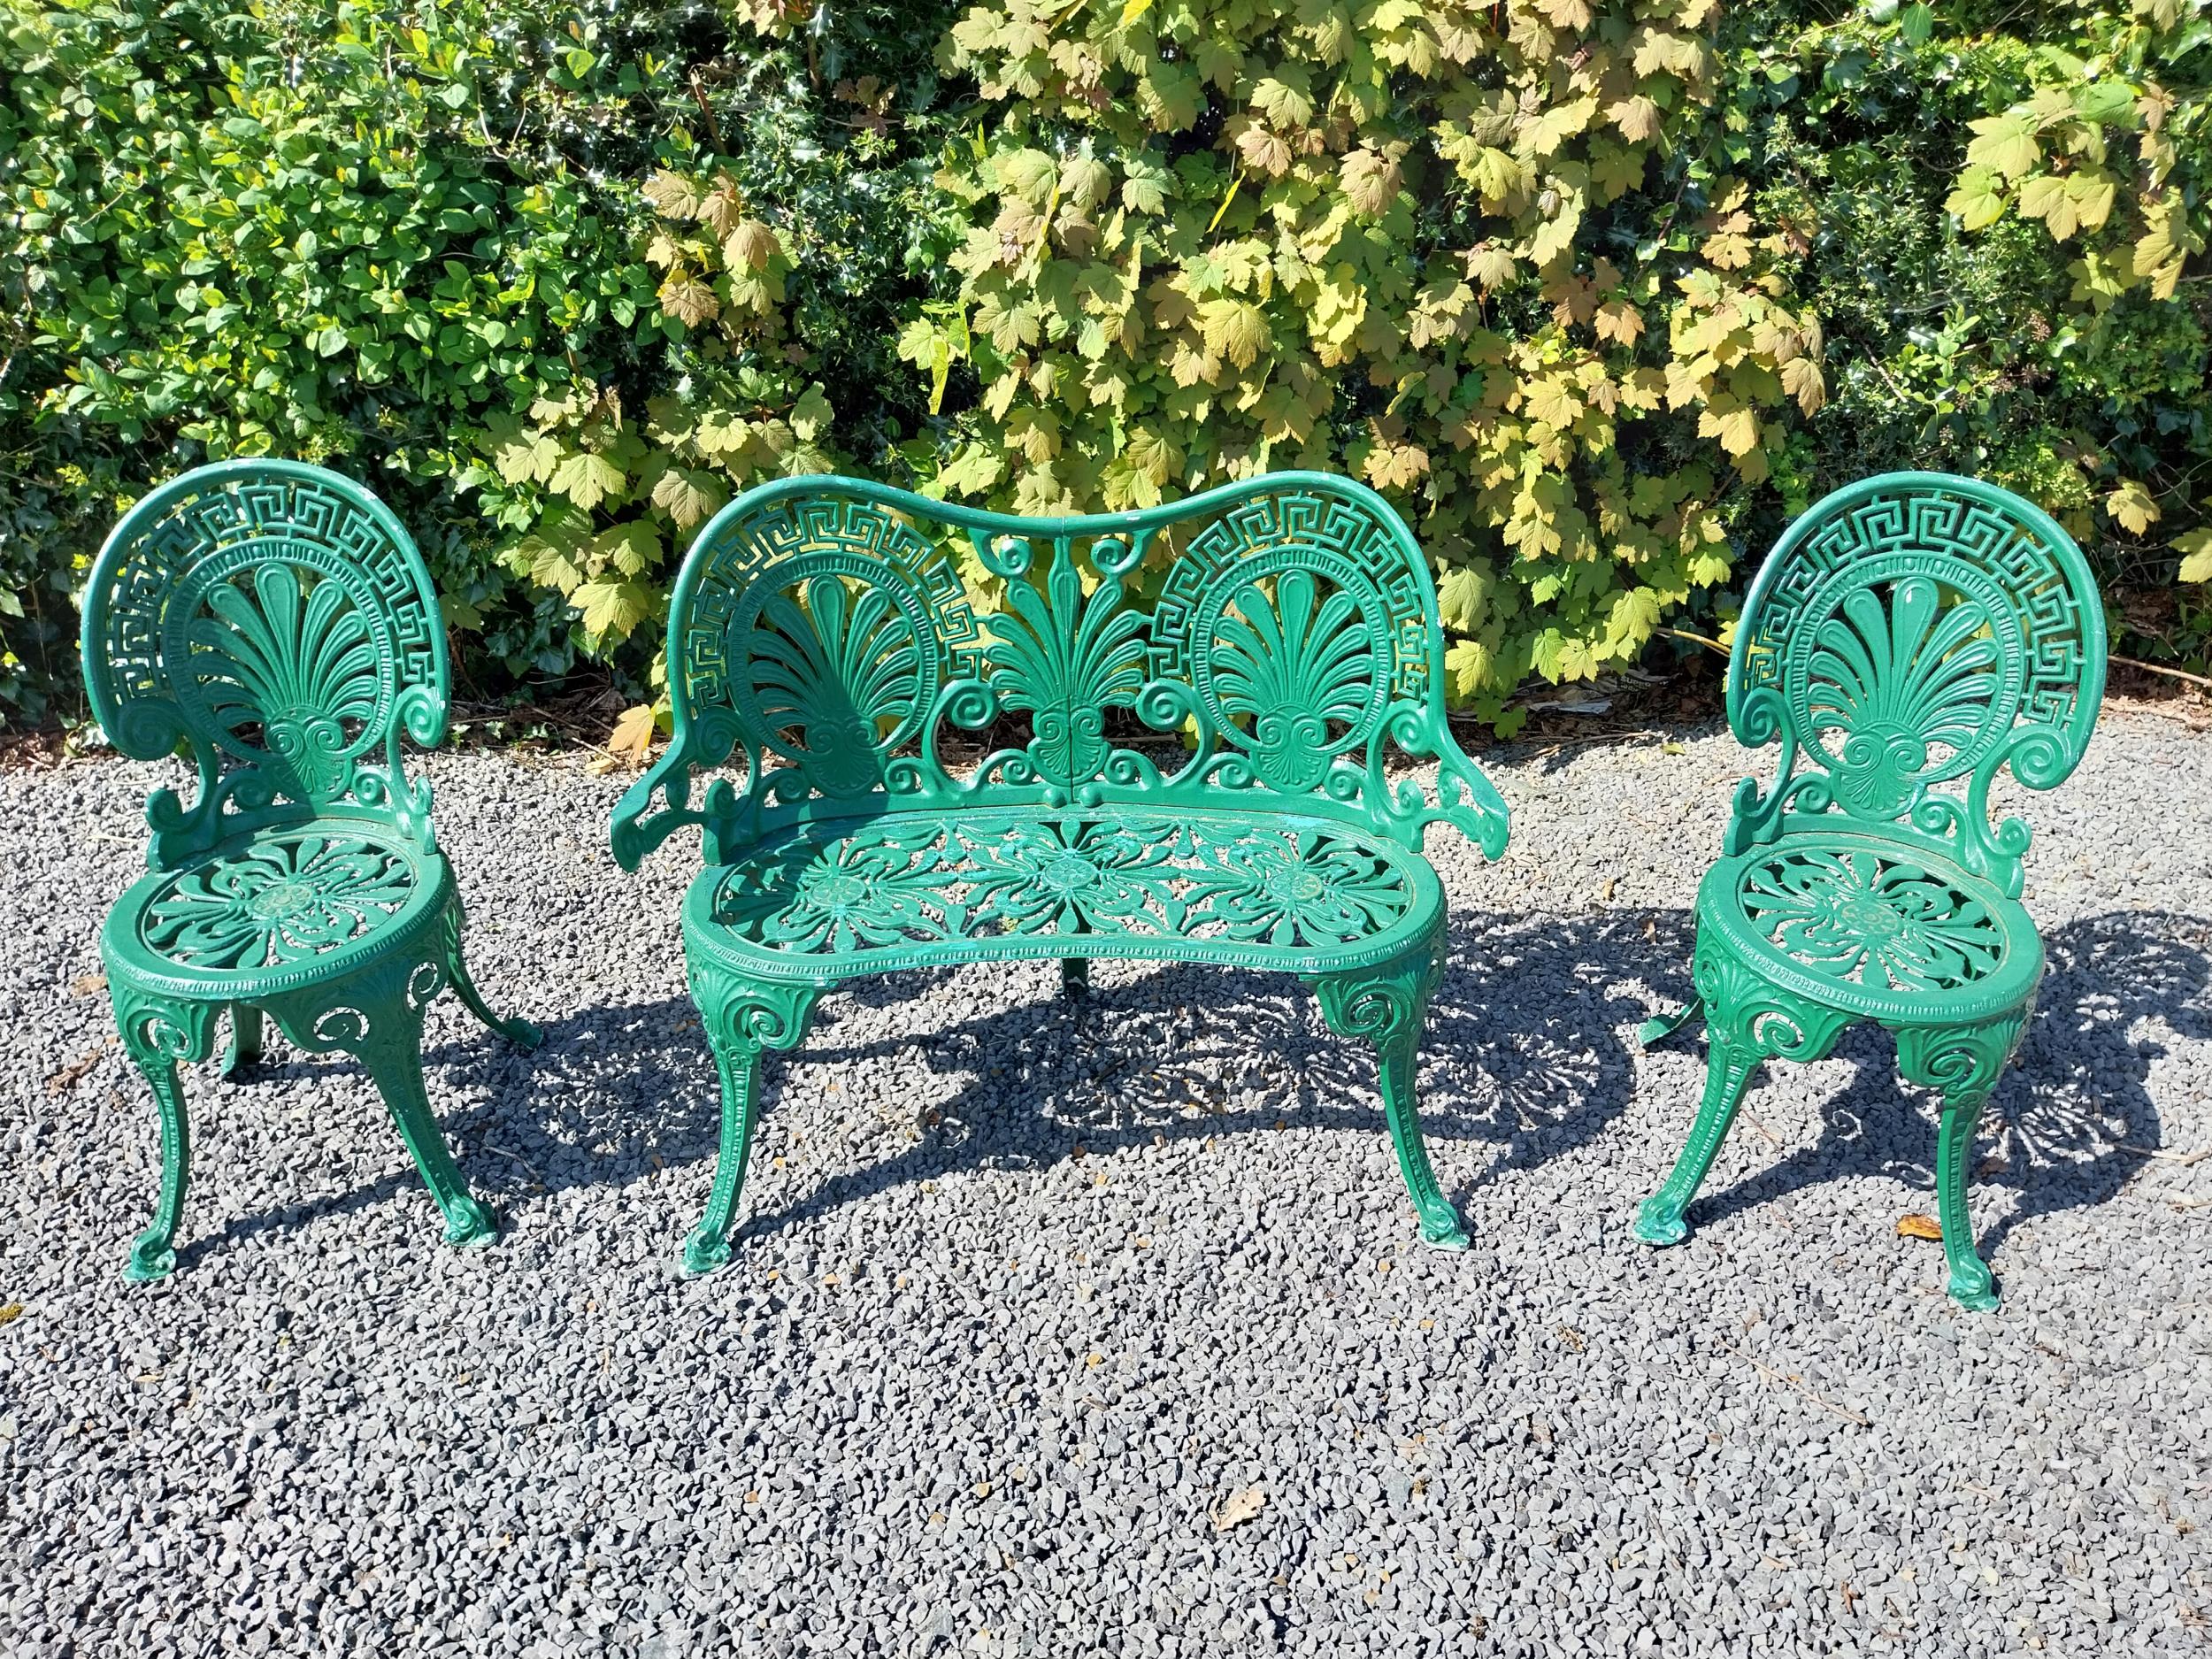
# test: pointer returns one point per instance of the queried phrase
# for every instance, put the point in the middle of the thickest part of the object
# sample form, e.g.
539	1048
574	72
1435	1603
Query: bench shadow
1526	1055
2071	1123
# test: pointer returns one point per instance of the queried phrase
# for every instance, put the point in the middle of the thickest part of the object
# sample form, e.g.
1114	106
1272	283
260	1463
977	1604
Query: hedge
1599	293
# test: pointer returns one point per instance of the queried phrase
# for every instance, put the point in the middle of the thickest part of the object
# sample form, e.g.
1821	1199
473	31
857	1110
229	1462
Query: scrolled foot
704	1252
1655	1031
1444	1232
525	1036
469	1226
1972	1287
1659	1221
151	1259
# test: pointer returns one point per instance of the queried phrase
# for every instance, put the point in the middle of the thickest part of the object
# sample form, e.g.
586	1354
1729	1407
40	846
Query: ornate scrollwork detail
1745	1007
1960	1060
275	614
1909	631
288	895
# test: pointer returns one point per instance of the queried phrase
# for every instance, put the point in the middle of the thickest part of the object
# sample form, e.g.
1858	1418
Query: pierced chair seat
284	906
839	898
1875	927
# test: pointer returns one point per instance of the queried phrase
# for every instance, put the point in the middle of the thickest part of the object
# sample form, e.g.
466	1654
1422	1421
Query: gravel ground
1034	1298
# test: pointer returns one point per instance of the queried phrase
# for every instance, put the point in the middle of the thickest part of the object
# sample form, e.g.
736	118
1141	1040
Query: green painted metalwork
1910	631
1275	639
275	622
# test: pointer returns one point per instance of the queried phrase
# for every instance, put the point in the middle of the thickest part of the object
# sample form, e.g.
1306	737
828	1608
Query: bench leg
1075	977
1964	1062
245	1041
1387	1005
743	1018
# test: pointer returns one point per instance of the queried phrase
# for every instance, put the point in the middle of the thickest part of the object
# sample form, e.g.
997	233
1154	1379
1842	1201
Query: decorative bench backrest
275	615
820	628
1909	630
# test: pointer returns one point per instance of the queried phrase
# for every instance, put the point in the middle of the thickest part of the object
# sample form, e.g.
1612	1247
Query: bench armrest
1464	798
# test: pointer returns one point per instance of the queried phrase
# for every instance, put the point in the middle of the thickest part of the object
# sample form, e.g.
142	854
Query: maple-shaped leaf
723	208
1235	329
1286	97
1395	465
689	301
612	609
2132	506
2047	197
1552	401
586	478
1636	117
1462	596
812	413
1618	321
688	496
673	194
1978	199
1371	181
2005	144
2196	550
1736	426
634	729
629	549
750	246
1491	265
1469	664
1802	380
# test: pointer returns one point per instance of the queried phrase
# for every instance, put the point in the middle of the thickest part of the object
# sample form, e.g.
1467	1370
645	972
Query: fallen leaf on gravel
88	985
633	737
63	1079
1920	1227
1238	1508
10	1314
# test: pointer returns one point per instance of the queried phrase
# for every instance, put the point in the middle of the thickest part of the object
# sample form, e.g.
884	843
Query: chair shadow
1526	1057
2070	1124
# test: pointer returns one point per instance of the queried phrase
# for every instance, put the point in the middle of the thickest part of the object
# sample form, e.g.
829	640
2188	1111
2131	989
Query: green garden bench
275	621
1283	629
1907	631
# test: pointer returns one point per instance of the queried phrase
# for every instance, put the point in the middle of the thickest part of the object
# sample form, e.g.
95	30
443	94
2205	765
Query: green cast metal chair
1909	632
275	620
1274	640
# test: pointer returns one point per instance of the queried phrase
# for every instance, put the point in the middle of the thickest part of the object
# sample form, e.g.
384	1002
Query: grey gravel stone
1026	1290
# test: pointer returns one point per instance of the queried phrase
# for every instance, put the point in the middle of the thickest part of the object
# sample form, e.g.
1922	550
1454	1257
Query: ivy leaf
588	478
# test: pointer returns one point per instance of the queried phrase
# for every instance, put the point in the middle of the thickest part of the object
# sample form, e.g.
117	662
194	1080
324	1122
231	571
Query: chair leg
1653	1032
244	1052
157	1036
1963	1063
518	1030
743	1018
1075	977
1387	1005
1729	1061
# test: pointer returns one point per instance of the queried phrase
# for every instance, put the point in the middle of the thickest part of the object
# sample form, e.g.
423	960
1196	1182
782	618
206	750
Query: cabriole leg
1651	1032
1963	1063
1075	977
1387	1005
157	1036
1729	1063
743	1017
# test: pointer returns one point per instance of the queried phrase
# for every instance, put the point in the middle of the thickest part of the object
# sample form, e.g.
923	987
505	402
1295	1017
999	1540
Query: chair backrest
820	627
1910	630
277	618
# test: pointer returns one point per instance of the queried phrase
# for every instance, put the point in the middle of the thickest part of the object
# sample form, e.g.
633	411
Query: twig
2155	668
1694	639
2183	1158
1788	1381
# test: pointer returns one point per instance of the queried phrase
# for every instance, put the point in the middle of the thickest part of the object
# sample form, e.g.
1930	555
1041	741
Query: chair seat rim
2002	993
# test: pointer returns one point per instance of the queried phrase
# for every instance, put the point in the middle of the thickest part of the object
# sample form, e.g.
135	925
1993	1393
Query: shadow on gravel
2070	1125
1526	1053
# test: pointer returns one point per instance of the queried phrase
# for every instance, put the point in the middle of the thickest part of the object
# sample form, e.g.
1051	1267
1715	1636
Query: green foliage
1598	293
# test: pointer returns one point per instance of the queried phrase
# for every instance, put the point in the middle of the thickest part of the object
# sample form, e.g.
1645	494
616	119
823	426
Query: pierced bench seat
1250	889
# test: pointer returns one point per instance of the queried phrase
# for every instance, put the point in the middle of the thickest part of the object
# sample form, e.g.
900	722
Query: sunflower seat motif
1200	700
1909	632
275	620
